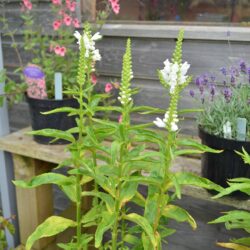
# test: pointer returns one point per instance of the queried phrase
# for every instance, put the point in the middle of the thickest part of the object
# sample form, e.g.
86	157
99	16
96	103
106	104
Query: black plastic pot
226	165
54	121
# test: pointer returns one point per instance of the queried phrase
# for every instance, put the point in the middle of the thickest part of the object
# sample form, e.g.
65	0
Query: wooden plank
18	143
32	208
88	8
166	30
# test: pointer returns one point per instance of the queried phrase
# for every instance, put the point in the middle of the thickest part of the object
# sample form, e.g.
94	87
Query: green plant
236	219
48	45
118	168
223	104
5	224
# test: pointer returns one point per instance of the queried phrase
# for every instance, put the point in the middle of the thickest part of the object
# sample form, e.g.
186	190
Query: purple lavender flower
227	92
243	66
205	79
212	91
212	77
200	84
234	71
233	80
223	70
198	81
248	72
191	92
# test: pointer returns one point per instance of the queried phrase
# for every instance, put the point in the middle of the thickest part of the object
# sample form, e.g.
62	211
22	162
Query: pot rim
220	142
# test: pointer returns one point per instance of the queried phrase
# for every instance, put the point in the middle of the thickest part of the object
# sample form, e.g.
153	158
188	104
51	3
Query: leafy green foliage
117	168
5	224
236	219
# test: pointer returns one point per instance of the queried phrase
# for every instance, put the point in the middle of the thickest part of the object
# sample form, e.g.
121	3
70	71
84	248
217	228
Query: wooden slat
88	9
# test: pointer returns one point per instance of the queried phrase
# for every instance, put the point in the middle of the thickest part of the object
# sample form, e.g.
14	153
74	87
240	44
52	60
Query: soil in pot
54	121
226	165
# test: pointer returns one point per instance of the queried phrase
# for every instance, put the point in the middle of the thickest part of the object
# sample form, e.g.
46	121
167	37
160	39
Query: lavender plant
119	167
224	100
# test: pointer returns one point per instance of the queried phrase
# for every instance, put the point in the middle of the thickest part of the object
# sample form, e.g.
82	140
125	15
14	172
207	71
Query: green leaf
47	178
51	226
128	191
232	246
71	111
67	184
144	224
244	155
194	144
235	219
106	223
185	111
103	196
244	241
243	187
185	178
92	214
54	133
179	214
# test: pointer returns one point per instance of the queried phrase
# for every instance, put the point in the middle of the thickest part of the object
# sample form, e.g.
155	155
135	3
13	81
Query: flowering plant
50	46
118	168
224	99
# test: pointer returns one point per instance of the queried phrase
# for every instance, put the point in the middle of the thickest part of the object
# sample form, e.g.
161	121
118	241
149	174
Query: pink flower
57	50
67	20
56	2
93	79
56	24
108	87
116	8
72	6
27	4
61	12
76	23
63	51
120	119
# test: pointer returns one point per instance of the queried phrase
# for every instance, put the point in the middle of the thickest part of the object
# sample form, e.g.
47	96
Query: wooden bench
35	205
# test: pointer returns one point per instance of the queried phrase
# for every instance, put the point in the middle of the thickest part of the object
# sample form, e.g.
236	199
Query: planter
54	121
226	165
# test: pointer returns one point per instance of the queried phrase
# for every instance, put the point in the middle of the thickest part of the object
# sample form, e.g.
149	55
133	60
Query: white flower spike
170	74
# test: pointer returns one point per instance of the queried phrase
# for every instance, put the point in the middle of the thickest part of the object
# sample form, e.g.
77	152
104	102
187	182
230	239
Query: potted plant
224	122
52	64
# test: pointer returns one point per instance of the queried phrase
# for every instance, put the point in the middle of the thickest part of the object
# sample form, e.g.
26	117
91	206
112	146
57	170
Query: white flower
96	55
174	127
96	36
159	123
89	44
170	74
78	36
162	123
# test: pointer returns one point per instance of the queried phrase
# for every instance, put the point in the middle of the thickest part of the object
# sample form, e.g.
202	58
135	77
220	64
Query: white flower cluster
89	44
161	123
170	74
125	95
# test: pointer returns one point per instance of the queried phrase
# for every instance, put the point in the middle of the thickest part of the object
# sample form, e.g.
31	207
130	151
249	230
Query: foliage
49	46
237	219
5	224
116	169
224	99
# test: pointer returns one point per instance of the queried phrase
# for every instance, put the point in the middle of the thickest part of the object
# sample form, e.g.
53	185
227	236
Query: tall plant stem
78	177
167	163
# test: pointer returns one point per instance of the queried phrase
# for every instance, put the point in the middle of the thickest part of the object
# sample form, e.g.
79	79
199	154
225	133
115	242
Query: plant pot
226	165
54	121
